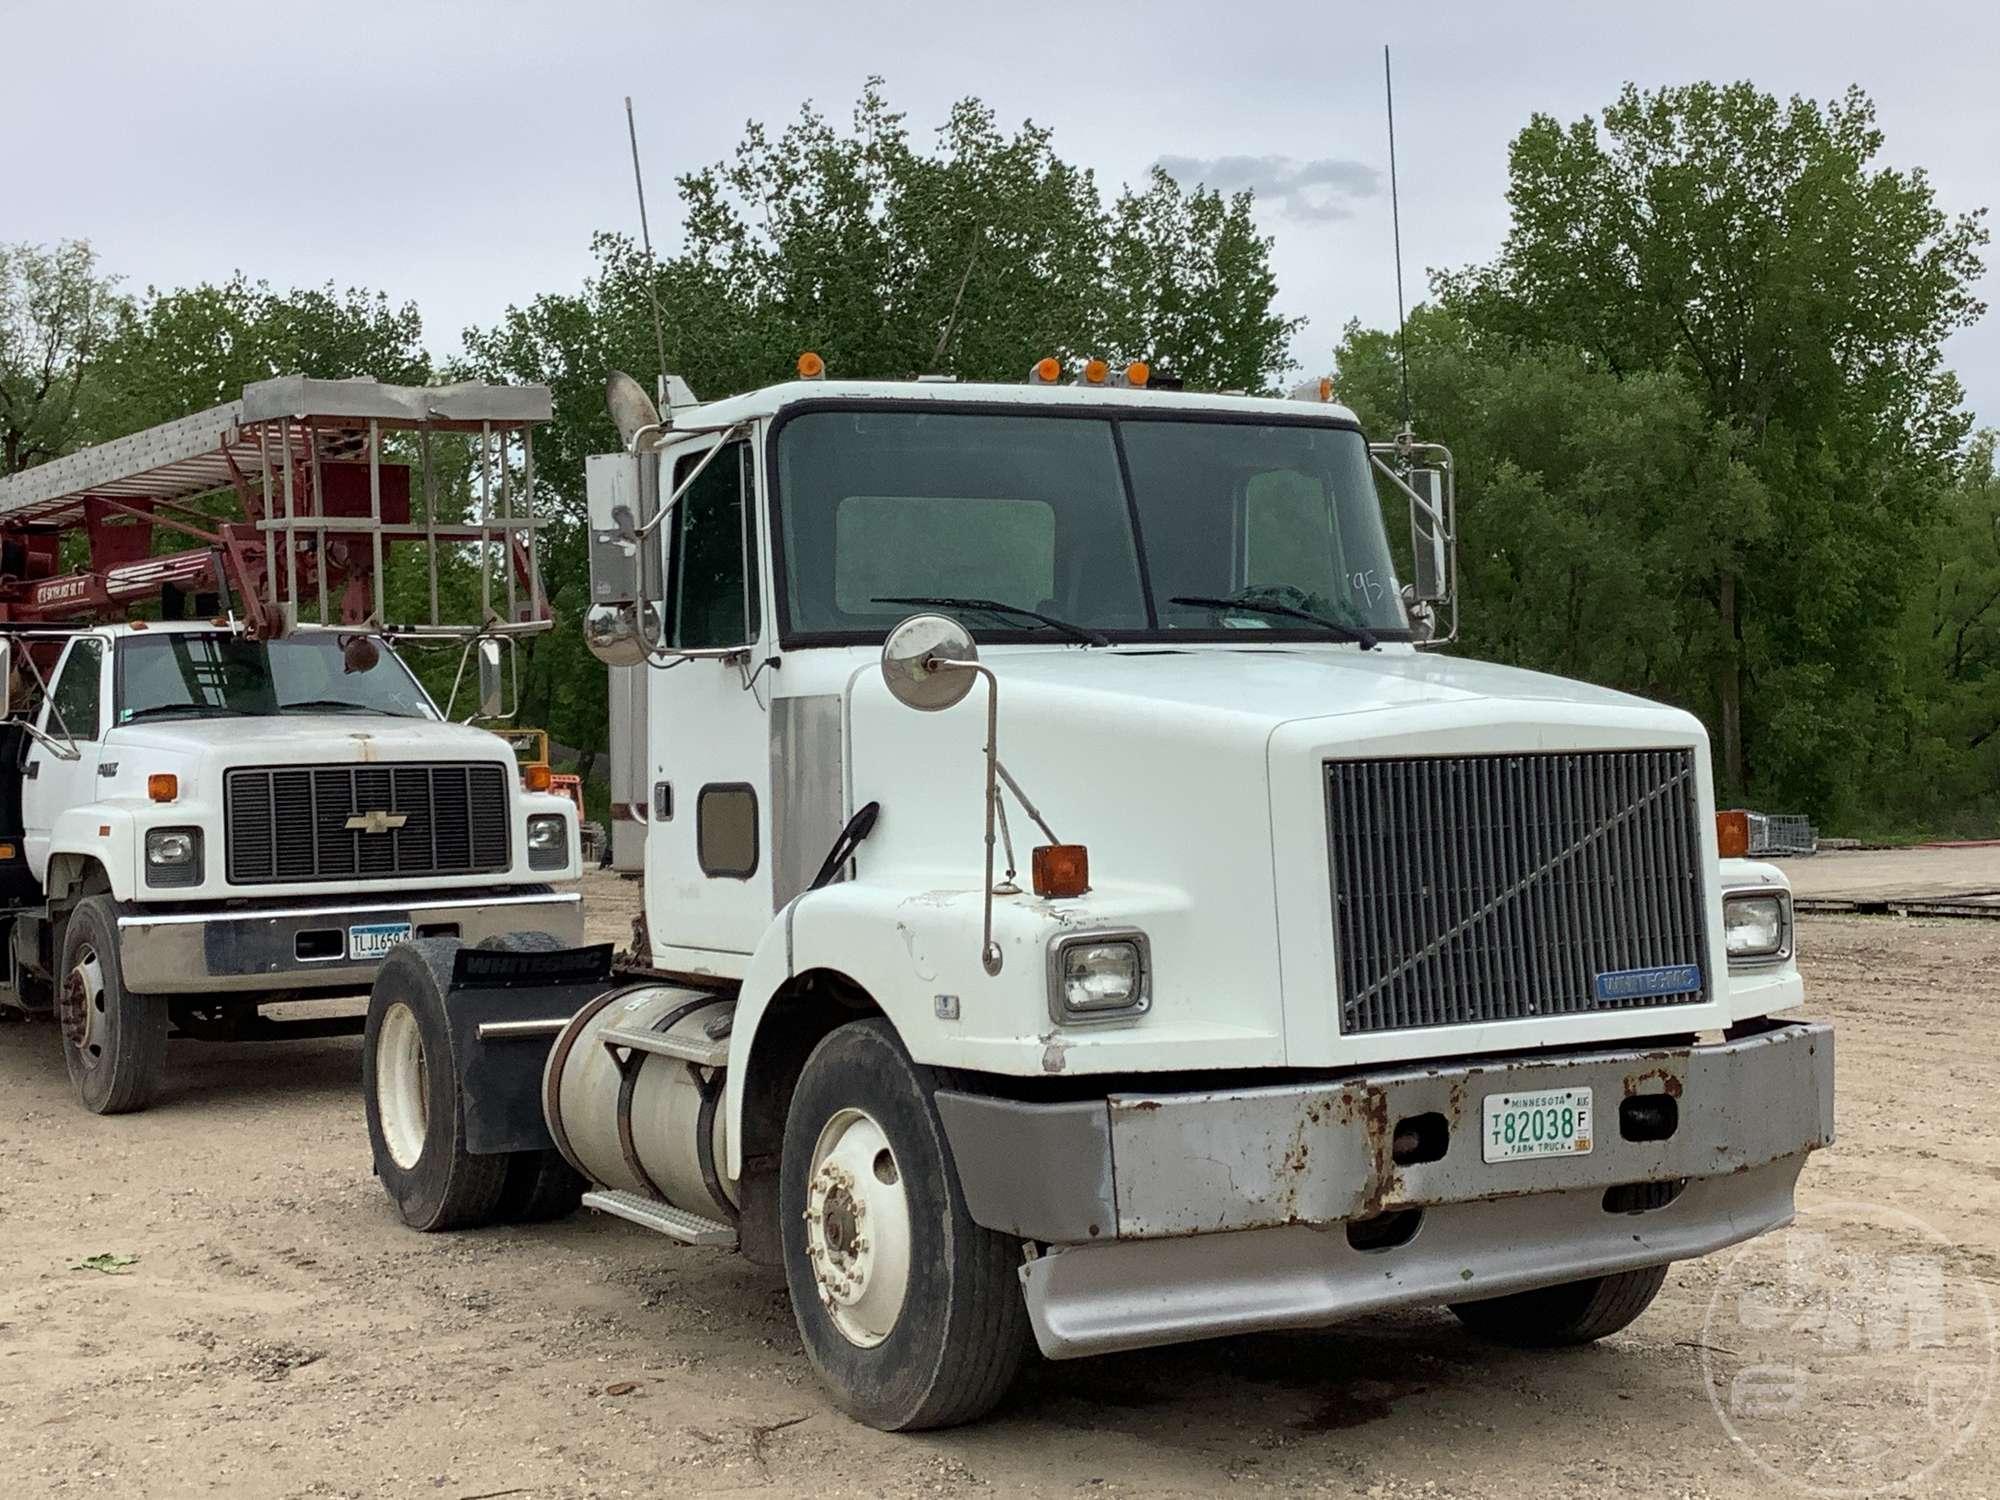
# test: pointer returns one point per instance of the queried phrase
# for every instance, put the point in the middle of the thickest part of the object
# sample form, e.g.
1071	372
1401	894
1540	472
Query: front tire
911	1314
114	1042
1574	1312
416	1119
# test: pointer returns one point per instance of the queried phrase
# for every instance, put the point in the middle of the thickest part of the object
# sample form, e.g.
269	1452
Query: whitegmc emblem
377	821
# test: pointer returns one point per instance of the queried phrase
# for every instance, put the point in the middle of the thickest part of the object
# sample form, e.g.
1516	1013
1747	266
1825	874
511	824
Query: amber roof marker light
1138	373
811	366
1045	371
1096	371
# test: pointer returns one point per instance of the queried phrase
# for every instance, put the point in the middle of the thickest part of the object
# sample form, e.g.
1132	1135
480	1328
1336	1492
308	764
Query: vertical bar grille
1483	888
290	823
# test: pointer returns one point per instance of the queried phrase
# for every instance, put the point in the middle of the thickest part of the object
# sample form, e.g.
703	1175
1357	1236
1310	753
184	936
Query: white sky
461	154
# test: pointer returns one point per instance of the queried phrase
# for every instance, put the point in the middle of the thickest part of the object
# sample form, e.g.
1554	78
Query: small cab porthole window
726	831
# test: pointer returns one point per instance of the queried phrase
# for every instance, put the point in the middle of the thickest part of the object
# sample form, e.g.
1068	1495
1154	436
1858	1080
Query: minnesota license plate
1553	1122
376	939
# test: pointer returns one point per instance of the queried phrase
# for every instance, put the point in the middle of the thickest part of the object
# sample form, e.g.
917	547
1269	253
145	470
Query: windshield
1098	522
189	675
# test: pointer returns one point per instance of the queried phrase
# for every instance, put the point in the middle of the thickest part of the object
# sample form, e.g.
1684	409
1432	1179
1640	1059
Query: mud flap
500	1074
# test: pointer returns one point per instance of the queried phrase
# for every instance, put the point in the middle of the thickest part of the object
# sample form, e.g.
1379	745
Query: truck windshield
189	675
1100	522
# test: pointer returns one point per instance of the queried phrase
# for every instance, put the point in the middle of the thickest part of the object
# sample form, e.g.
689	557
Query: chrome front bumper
304	946
1175	1216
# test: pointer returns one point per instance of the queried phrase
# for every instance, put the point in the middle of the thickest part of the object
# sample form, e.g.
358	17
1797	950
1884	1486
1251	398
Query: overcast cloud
1324	188
461	152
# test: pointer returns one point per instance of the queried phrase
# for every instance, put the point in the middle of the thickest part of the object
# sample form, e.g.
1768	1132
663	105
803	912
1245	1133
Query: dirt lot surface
281	1334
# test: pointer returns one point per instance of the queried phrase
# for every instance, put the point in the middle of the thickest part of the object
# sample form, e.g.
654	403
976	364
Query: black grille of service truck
1478	888
285	823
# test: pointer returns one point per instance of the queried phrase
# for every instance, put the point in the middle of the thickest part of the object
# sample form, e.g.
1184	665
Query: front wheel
911	1314
1575	1312
114	1042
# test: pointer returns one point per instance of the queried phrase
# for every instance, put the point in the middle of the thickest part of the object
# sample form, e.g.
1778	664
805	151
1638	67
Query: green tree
1592	507
184	350
56	310
1757	251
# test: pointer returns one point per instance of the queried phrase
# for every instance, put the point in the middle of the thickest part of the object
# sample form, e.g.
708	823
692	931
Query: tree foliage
184	350
1746	265
56	310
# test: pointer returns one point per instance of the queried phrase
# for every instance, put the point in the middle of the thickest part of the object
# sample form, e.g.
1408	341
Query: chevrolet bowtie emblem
377	821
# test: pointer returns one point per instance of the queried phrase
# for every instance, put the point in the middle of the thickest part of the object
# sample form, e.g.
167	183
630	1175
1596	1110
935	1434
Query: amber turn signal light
537	777
1732	834
163	786
1061	870
811	366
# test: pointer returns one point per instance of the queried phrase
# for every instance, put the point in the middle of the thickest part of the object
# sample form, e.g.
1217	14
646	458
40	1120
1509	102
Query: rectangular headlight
173	856
170	846
1757	924
1099	976
548	842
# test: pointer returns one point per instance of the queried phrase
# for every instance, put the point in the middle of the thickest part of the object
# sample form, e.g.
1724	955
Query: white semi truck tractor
1083	912
222	787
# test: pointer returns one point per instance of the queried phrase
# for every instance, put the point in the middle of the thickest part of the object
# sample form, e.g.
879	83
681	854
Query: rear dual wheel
416	1114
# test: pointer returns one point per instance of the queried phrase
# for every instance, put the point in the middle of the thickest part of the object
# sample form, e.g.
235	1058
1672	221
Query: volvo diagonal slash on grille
1501	887
1083	912
225	781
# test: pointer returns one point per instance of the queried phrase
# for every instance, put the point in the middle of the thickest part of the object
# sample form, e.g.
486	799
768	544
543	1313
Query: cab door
708	860
74	715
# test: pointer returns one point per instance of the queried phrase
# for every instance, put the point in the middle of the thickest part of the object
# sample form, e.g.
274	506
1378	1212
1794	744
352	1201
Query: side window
73	705
713	596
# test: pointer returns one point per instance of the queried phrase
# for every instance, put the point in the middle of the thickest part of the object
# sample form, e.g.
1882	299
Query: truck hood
312	739
1275	686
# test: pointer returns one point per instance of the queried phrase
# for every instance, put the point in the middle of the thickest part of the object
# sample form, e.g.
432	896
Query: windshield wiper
1365	638
322	705
191	710
995	607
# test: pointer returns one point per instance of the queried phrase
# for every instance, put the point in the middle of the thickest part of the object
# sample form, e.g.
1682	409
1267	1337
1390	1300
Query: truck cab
211	823
1084	911
251	798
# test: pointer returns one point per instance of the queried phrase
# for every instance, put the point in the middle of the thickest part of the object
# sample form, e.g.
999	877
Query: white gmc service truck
202	816
1196	954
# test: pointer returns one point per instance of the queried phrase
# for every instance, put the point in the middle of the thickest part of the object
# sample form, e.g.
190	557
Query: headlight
1757	924
548	842
169	846
1099	976
173	856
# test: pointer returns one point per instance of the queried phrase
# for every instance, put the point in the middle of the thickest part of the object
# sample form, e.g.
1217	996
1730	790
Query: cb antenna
646	238
1396	224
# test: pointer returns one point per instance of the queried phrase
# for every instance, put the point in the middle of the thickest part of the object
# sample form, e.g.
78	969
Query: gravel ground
281	1334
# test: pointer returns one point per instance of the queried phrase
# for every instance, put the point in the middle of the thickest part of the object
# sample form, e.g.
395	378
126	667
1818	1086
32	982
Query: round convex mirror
925	662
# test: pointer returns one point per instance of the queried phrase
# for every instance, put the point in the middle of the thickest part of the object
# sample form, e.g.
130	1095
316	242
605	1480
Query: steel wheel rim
84	1020
402	1093
858	1228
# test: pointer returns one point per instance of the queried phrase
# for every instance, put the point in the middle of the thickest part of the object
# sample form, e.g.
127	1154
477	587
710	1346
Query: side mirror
927	663
1430	563
491	685
6	678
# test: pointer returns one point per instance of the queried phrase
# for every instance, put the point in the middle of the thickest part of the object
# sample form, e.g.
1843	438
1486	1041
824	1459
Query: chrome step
703	1052
675	1223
